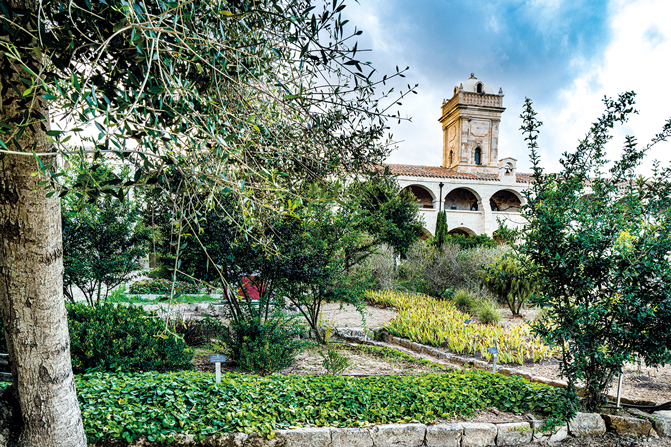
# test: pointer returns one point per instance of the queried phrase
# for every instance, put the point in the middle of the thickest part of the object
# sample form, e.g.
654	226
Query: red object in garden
253	291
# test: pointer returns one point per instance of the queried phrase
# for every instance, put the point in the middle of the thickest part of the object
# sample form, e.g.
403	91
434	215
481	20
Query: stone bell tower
470	121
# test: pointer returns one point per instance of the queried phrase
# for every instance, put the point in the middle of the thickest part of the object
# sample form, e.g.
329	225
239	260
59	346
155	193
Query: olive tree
599	238
193	97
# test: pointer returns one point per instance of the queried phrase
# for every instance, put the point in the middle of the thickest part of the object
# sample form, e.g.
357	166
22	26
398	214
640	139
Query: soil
309	363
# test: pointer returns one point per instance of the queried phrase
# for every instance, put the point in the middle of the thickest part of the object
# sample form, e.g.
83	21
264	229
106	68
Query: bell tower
470	121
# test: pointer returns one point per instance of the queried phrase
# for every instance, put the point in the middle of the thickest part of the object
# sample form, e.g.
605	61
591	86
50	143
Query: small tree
441	230
509	281
103	243
600	240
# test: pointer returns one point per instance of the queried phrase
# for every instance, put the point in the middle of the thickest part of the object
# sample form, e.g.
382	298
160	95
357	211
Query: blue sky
564	55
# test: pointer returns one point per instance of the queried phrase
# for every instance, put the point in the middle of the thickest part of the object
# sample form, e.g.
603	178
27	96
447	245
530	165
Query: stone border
464	434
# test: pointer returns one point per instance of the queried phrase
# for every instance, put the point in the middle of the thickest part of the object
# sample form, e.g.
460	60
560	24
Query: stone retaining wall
440	435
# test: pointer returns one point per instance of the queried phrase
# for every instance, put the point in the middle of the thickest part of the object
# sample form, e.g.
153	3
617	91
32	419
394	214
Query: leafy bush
435	322
160	286
333	361
157	406
263	347
488	313
112	337
103	244
510	282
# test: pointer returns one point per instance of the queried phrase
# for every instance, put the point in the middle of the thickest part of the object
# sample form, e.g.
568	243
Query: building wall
483	221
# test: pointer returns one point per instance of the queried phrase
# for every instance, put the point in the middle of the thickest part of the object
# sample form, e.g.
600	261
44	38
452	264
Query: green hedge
161	405
126	338
122	337
160	286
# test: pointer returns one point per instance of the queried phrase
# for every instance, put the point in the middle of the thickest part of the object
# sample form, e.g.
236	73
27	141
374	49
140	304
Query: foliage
433	271
125	338
378	271
103	242
263	347
386	213
488	313
389	353
510	282
464	301
312	268
333	361
600	239
120	338
441	235
158	406
160	286
472	241
437	323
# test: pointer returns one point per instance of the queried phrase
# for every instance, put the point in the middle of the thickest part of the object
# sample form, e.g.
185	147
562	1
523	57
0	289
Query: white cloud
635	59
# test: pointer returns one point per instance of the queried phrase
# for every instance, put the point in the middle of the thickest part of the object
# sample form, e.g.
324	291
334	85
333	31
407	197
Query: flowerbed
438	323
159	406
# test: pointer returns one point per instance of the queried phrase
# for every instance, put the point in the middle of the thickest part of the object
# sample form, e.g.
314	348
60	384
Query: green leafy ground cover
158	406
181	299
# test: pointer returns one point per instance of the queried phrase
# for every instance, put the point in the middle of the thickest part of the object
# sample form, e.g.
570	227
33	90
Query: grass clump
488	313
159	406
464	301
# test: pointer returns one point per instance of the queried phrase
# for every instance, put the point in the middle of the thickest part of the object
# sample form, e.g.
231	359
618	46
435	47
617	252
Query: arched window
479	87
477	156
451	157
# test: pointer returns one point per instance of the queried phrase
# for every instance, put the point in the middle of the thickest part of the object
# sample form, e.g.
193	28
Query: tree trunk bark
31	271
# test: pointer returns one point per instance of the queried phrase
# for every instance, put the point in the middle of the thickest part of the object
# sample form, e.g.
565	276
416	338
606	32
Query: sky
563	55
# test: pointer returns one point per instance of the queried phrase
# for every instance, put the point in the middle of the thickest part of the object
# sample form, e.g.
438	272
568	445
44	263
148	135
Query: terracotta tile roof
441	172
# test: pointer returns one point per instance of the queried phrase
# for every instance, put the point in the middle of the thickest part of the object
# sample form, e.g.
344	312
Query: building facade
474	187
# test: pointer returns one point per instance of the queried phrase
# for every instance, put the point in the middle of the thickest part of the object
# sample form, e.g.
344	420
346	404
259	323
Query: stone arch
424	196
426	234
465	231
506	200
462	199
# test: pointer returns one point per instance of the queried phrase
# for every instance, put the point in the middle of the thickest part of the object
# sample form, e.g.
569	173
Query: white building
473	186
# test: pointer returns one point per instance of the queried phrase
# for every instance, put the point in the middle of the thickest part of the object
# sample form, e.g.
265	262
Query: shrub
160	286
476	240
264	347
510	282
488	313
464	301
121	337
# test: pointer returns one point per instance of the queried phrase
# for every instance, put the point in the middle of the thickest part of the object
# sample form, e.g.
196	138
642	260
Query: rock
398	435
306	437
514	433
255	440
351	437
627	426
478	435
444	435
663	413
559	434
662	423
230	439
587	424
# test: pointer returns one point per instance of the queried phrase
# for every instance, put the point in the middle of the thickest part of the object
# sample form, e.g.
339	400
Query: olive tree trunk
31	275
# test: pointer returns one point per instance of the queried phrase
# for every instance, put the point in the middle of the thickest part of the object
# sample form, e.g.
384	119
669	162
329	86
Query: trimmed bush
160	286
157	406
126	338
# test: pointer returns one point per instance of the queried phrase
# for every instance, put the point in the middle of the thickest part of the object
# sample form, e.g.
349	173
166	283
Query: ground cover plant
438	323
158	406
